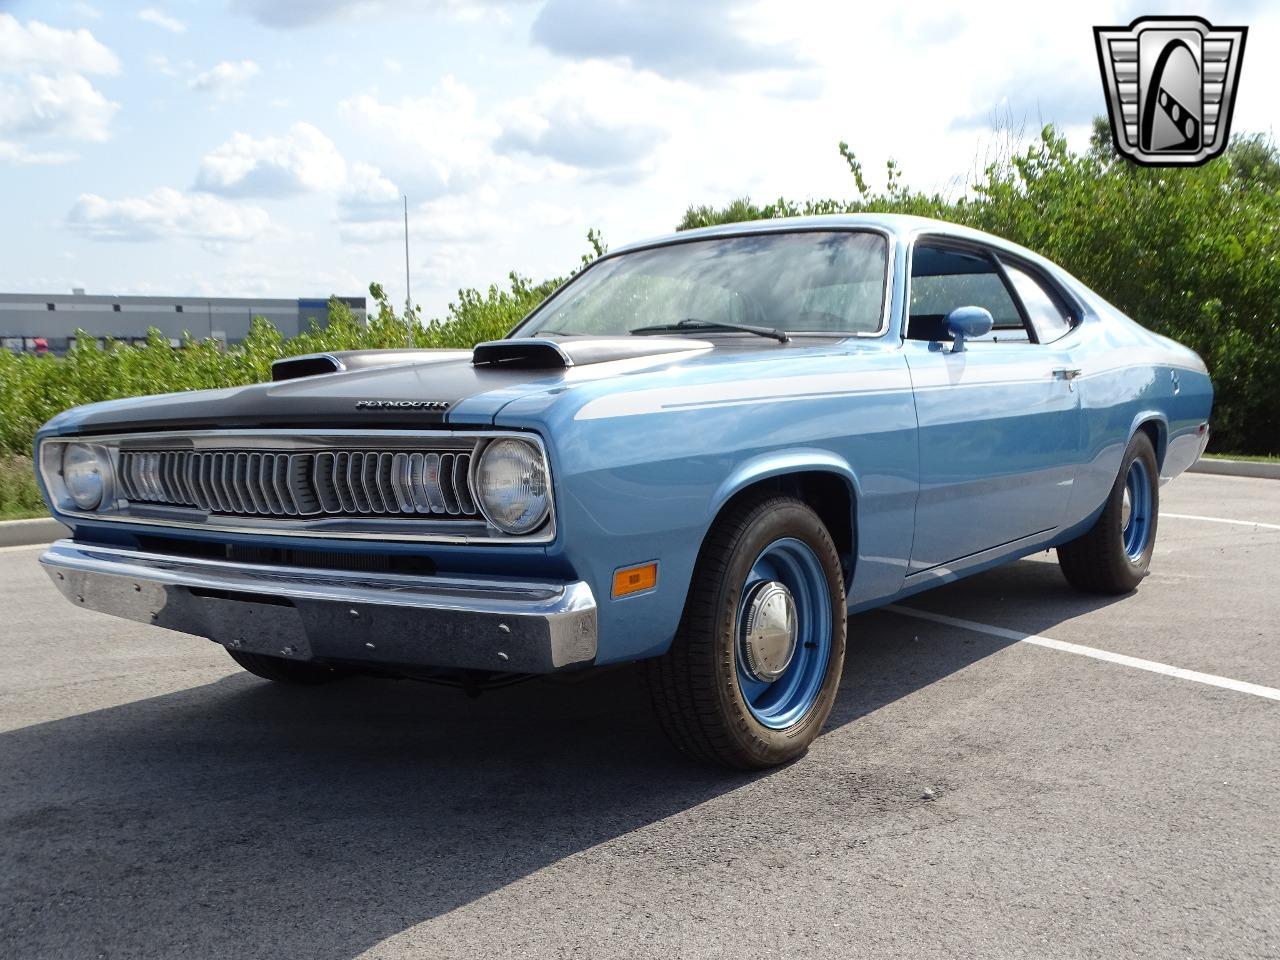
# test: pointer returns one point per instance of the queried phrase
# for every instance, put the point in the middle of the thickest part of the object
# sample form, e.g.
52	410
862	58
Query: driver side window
944	278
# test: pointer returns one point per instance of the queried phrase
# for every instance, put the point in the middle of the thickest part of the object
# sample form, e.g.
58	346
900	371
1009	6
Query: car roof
902	226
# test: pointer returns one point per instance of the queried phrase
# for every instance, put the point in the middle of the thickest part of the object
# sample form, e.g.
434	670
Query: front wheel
753	671
1114	554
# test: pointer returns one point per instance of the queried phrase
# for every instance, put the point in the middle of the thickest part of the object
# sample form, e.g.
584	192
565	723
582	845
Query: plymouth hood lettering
402	404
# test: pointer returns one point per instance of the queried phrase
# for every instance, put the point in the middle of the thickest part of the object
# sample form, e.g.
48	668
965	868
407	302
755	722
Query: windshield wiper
692	323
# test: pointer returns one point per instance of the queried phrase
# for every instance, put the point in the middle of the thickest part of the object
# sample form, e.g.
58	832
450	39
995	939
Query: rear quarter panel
1132	376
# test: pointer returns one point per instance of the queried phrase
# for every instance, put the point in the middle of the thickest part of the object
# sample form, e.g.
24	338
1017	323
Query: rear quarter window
1048	315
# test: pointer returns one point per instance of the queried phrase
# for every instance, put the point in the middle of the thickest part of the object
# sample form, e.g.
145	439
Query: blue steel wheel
783	633
754	668
1135	516
1113	555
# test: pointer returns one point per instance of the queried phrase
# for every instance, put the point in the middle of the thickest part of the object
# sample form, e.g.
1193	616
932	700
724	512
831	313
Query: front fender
779	463
643	463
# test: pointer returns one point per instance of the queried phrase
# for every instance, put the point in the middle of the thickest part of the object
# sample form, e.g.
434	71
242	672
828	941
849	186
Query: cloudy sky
261	147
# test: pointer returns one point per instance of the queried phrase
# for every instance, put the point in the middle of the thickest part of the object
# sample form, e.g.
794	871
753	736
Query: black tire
1096	561
300	673
694	686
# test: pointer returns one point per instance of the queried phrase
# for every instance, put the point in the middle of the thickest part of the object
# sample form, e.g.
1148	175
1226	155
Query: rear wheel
1115	553
296	672
753	671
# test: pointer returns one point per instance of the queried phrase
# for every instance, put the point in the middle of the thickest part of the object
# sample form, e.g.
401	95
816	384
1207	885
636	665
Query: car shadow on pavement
239	819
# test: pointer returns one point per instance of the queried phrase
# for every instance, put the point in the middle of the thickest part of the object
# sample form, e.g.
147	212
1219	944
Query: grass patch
1250	457
19	496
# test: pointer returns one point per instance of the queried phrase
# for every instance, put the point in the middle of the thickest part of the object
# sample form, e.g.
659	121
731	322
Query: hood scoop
536	354
314	364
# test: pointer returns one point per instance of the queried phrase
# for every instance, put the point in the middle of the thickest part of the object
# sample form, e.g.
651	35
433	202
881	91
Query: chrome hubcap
1126	509
782	635
768	635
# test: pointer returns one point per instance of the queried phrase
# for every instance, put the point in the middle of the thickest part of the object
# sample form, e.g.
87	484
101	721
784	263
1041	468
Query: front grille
330	483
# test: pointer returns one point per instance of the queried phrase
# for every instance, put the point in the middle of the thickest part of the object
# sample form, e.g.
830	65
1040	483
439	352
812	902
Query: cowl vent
314	364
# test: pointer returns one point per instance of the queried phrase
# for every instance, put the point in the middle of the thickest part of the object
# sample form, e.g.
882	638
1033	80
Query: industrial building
36	322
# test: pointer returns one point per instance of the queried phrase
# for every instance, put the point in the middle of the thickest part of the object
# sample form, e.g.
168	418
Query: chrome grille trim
327	483
461	475
286	478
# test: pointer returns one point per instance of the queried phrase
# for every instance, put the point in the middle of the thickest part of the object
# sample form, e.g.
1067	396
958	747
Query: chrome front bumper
306	614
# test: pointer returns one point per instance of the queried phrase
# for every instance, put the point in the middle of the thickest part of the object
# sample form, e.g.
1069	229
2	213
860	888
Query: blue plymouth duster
701	452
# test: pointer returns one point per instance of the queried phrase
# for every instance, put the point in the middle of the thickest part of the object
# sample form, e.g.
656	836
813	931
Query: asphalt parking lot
973	795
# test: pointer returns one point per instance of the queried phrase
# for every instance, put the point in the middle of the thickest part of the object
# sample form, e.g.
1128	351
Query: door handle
1065	373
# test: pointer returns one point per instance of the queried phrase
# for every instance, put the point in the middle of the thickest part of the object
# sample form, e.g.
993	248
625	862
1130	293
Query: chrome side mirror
965	322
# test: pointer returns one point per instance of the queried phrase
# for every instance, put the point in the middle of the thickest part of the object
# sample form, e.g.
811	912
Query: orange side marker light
634	579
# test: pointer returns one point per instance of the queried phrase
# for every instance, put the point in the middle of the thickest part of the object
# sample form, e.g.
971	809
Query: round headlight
511	485
84	472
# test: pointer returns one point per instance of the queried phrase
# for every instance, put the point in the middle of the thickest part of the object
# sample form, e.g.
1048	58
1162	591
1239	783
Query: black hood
417	389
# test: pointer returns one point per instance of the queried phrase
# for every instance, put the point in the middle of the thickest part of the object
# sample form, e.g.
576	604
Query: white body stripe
735	392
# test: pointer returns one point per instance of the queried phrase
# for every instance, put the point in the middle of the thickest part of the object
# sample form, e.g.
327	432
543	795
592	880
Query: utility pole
408	297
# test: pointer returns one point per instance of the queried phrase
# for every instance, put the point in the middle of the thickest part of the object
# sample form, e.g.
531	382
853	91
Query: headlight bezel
542	517
54	467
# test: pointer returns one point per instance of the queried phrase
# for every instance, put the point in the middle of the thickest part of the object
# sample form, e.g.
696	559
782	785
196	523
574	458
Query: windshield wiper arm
692	323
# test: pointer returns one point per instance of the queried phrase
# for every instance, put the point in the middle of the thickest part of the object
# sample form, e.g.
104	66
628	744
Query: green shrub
19	495
35	388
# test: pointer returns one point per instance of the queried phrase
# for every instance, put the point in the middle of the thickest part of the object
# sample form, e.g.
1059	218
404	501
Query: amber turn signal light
634	579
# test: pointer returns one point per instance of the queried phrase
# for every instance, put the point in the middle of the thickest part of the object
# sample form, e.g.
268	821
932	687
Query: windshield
803	282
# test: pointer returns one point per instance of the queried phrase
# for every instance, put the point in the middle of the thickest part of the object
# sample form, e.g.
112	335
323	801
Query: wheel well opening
827	494
1154	429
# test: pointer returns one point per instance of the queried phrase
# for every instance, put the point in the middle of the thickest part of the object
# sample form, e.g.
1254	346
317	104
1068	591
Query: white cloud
674	38
164	214
50	98
39	46
544	214
368	195
434	144
307	13
301	161
161	19
455	220
161	64
226	79
19	155
64	106
86	10
596	117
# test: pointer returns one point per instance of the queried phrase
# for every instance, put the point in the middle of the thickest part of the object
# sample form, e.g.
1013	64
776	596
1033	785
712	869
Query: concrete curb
26	533
1237	468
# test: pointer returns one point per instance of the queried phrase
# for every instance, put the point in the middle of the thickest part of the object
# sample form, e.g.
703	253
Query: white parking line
1240	523
1257	690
